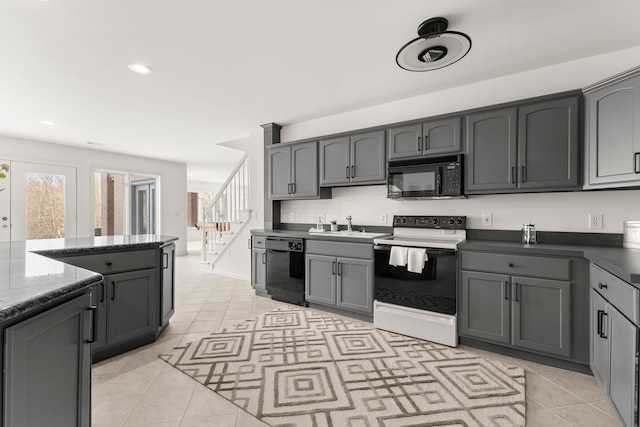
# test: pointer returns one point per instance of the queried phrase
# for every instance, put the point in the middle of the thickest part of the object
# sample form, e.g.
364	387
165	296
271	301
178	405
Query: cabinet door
320	279
279	164
334	161
541	315
623	347
167	297
354	290
491	145
599	342
614	132
548	144
259	269
441	136
99	301
48	368
368	162
131	308
405	141
304	170
484	306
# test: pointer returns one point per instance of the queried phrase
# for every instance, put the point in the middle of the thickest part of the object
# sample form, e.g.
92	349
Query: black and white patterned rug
294	367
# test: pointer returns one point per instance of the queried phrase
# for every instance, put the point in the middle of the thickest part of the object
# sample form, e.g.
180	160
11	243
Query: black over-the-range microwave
426	178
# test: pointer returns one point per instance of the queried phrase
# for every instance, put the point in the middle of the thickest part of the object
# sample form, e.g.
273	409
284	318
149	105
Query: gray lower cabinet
258	264
167	287
434	137
528	313
613	131
531	147
134	301
293	171
131	305
342	282
614	342
353	159
47	379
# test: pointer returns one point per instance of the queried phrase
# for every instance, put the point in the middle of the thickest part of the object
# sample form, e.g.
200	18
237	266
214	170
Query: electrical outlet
487	220
297	216
595	221
293	216
314	217
383	218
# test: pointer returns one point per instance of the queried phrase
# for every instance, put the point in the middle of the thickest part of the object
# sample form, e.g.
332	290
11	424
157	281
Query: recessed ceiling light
140	69
48	123
94	143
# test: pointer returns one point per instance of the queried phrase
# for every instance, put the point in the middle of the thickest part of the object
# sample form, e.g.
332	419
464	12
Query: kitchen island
53	312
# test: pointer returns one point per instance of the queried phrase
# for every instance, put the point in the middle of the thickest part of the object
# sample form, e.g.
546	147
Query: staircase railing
226	216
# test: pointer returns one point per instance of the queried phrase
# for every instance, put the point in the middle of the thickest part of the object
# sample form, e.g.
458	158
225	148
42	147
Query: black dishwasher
285	269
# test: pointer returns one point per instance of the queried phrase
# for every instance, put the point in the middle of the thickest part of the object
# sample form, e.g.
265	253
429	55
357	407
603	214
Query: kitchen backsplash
564	211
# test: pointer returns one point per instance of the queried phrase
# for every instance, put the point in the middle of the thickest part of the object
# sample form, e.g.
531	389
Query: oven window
413	181
434	289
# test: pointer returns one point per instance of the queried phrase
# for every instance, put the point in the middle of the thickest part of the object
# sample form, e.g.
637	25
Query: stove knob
404	220
451	221
459	221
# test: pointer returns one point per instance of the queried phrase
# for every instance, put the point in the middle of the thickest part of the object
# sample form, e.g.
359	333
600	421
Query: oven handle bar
430	251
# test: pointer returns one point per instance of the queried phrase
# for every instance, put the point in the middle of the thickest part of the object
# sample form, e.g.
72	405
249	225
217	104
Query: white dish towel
415	259
398	256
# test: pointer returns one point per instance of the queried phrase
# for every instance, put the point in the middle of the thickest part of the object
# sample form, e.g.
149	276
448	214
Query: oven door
414	181
433	290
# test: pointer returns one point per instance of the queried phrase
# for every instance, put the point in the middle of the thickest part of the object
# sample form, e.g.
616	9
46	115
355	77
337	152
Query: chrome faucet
349	223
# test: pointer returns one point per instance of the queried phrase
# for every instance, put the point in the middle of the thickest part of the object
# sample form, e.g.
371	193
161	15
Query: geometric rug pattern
294	367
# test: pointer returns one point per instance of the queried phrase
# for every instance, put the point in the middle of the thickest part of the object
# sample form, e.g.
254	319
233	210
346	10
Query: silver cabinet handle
264	258
353	171
636	158
333	268
506	290
419	146
346	174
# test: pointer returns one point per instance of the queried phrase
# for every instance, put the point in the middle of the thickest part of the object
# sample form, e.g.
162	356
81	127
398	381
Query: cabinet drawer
259	242
340	249
619	293
114	262
520	265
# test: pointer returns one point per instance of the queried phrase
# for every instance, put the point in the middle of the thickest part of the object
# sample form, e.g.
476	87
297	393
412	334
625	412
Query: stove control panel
447	222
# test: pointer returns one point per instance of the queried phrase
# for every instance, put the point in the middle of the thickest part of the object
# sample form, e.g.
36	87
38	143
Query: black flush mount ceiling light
434	48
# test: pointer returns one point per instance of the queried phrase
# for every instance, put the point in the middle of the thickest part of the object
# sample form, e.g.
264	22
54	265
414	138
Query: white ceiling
222	68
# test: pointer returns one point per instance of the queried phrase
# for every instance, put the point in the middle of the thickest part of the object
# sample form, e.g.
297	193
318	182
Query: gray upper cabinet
47	367
533	147
491	151
548	154
424	139
335	167
279	163
293	171
613	132
353	159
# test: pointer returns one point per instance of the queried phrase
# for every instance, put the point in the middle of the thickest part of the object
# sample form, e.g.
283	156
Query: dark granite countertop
619	261
28	279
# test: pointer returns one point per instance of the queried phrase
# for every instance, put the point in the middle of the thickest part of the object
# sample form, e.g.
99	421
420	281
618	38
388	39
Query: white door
5	202
43	201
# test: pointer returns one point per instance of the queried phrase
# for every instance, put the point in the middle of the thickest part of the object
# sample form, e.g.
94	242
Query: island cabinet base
47	364
135	300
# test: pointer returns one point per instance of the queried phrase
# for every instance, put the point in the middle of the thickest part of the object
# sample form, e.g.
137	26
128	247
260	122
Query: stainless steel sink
361	234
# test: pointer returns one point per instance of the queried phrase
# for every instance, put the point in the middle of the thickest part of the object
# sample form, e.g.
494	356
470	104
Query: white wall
549	211
173	179
237	261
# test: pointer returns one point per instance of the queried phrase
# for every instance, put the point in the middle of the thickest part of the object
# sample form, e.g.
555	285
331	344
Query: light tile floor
138	389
